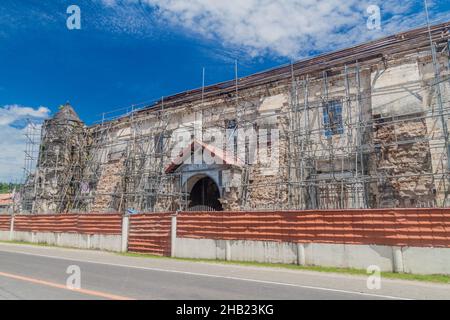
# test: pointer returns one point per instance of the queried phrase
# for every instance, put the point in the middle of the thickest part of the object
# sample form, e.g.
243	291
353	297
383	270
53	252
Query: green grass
436	278
43	244
391	275
39	244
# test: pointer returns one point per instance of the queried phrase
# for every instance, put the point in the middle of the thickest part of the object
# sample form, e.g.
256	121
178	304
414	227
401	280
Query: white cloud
122	16
11	113
289	28
13	127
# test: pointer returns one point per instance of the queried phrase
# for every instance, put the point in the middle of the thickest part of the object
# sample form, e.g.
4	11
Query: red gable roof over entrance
216	153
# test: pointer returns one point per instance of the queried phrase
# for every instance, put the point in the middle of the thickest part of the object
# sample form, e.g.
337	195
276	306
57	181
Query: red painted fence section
5	222
393	227
150	233
108	224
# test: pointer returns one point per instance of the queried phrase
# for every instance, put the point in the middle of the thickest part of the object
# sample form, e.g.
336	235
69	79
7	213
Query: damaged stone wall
108	193
404	158
326	165
435	120
409	158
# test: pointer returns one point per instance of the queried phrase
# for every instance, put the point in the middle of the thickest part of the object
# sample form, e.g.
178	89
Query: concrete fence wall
400	240
87	231
391	227
419	260
5	227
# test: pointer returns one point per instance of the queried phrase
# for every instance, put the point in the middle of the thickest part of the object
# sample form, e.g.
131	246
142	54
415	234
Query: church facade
364	127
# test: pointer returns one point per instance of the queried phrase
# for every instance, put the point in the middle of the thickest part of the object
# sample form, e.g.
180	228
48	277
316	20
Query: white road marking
212	276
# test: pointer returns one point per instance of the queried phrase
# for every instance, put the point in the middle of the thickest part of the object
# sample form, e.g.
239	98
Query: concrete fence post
11	228
125	231
398	259
301	257
227	250
173	235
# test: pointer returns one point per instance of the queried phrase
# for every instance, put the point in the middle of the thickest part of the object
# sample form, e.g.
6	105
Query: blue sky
131	51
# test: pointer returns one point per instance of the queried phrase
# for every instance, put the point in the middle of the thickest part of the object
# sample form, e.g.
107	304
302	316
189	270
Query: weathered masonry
364	127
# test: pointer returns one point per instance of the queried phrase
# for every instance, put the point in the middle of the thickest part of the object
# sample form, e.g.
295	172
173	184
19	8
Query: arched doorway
205	193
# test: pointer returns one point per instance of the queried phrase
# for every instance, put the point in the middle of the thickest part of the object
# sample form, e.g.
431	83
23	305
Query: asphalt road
32	272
